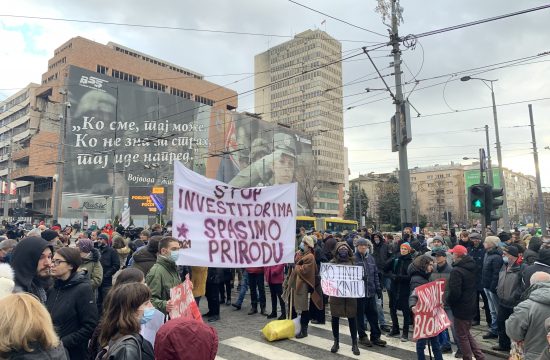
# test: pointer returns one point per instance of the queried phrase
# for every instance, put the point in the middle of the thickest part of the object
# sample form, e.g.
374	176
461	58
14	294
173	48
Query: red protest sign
430	318
184	302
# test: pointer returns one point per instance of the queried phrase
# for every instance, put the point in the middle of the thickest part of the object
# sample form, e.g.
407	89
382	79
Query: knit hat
475	236
49	235
504	236
308	240
459	250
492	240
438	238
103	237
439	253
85	245
6	280
511	250
362	241
407	246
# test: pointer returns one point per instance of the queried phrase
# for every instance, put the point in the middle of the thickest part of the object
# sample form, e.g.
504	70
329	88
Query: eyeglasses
58	262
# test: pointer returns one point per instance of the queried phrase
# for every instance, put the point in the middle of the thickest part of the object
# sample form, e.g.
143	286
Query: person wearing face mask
129	307
366	306
509	291
110	262
492	263
164	274
380	253
301	282
71	303
342	306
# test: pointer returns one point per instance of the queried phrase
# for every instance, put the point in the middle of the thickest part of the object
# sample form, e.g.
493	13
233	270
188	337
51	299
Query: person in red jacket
274	275
257	289
186	339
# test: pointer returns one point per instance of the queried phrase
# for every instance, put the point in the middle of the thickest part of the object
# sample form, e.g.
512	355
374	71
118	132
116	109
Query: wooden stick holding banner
430	318
342	280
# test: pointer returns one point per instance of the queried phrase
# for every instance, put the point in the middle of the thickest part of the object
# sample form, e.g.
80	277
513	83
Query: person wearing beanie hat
397	268
6	249
145	257
532	253
542	264
509	292
477	252
505	237
6	280
71	303
111	264
52	237
90	263
462	299
492	263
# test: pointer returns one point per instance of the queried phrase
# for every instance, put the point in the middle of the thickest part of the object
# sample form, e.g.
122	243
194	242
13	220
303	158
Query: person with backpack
129	306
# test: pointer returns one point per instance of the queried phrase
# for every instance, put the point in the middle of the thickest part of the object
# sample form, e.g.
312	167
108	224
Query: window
154	85
204	100
102	69
181	93
124	76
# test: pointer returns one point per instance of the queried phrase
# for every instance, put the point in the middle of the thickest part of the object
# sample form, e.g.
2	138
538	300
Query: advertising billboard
120	135
147	200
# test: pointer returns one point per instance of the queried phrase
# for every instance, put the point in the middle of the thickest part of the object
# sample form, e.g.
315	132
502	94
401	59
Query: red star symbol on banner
182	231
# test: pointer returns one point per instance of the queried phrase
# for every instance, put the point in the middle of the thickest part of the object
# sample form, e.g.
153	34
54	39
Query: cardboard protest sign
342	280
185	305
228	227
430	318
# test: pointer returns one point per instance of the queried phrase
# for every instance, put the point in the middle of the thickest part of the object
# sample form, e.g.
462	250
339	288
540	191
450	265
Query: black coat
397	269
462	295
130	349
418	277
478	254
380	253
73	310
492	263
542	264
215	275
110	261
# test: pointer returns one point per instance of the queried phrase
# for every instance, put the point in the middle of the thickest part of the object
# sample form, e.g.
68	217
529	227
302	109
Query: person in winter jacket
477	252
274	276
546	353
465	239
198	278
301	282
71	303
342	306
420	271
399	292
146	257
509	291
532	253
31	263
26	330
442	270
329	246
257	289
461	298
119	244
526	323
213	280
110	263
164	274
380	253
492	263
366	306
91	266
542	264
128	307
186	339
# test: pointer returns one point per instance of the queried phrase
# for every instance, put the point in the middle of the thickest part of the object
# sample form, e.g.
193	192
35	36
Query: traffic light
477	198
493	202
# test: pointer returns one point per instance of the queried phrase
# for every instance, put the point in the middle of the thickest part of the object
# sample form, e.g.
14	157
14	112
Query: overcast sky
27	44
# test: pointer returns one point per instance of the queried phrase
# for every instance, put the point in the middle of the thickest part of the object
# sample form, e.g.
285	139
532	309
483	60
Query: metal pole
114	164
59	170
404	175
481	182
8	181
540	200
505	219
490	173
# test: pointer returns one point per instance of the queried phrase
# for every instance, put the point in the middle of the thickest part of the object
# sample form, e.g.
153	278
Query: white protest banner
430	318
342	280
228	227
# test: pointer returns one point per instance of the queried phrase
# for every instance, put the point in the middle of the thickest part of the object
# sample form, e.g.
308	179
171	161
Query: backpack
109	350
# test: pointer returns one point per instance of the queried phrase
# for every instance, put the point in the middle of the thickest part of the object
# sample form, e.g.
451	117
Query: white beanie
6	280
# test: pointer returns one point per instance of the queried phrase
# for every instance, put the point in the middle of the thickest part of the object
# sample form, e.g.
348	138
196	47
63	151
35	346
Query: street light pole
505	218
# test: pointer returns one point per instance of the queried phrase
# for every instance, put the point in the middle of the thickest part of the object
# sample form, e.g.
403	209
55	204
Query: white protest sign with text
342	280
228	227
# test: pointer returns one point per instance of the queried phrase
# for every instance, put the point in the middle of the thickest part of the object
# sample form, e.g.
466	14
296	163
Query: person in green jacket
90	263
164	275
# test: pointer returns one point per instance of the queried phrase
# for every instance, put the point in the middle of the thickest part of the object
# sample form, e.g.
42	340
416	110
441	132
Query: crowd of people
86	294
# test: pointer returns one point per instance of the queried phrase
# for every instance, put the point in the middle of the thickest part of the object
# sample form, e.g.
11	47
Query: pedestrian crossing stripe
267	351
393	342
219	358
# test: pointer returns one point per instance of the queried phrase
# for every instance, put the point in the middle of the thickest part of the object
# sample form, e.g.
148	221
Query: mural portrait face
283	170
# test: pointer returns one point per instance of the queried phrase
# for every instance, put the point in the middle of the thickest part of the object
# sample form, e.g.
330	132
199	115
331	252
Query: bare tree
308	185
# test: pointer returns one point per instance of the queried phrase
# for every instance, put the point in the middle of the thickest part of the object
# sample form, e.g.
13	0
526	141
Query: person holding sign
343	306
420	271
301	283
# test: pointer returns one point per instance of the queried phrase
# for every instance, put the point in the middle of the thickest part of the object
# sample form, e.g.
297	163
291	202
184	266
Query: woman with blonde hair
26	330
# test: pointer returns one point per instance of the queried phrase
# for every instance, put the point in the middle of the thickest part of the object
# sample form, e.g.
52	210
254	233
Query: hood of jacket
535	244
540	292
338	246
124	251
57	353
413	270
75	279
144	255
544	256
185	339
25	259
468	263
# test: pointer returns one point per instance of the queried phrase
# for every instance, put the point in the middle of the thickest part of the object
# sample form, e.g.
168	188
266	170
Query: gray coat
510	285
527	321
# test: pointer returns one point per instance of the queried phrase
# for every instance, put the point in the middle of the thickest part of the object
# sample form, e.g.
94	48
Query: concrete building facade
295	87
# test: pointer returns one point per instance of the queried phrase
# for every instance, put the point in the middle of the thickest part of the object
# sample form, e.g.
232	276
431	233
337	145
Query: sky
446	130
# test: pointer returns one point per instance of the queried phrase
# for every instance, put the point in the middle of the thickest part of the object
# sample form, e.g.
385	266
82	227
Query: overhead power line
337	19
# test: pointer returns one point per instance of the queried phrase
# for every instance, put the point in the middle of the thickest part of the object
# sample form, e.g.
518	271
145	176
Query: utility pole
490	173
8	181
540	200
404	175
482	182
59	162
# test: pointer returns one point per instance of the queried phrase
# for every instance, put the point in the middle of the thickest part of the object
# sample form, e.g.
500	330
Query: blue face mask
301	246
174	255
147	316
